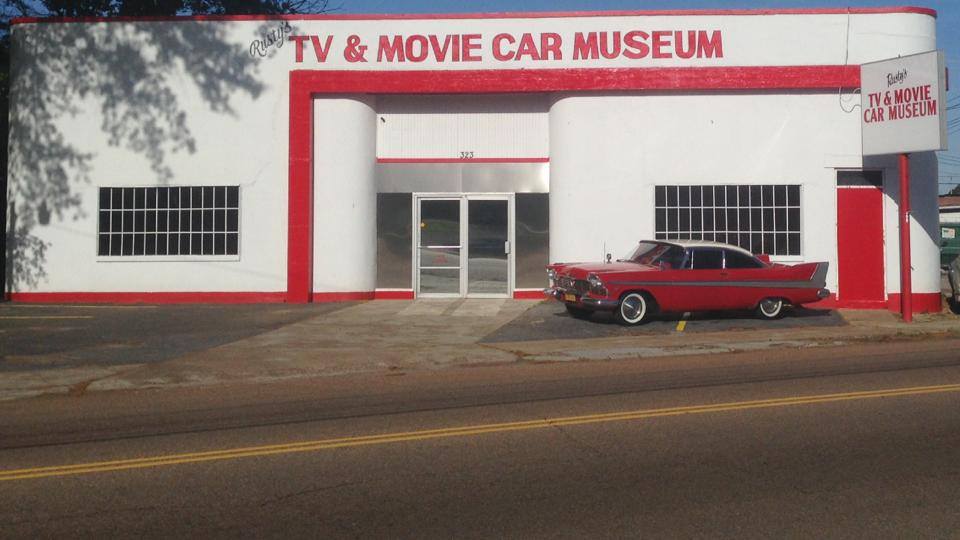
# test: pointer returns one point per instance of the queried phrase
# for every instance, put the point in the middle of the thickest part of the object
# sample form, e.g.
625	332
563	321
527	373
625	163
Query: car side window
673	258
707	259
735	259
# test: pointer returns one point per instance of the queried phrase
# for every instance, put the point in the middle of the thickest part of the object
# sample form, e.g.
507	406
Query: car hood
582	270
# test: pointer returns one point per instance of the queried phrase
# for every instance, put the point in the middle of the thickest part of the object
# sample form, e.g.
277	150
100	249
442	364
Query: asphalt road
587	450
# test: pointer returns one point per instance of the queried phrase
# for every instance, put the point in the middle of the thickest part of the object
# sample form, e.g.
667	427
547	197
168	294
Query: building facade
321	158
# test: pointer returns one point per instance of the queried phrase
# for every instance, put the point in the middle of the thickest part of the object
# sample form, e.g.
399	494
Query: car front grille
578	286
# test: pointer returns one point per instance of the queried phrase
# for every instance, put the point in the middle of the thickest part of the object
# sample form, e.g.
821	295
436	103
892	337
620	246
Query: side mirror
609	257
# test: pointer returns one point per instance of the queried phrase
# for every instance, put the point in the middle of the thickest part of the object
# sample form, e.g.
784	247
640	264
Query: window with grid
759	218
168	221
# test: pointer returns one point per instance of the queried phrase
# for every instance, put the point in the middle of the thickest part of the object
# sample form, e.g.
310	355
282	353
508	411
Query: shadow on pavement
34	337
550	320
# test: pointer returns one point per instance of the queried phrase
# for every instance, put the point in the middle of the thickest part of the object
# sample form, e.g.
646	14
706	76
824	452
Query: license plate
569	297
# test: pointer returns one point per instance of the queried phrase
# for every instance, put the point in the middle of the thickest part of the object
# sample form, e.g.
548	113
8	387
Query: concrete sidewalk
389	337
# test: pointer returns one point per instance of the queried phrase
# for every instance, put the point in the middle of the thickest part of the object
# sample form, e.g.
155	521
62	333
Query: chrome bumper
599	303
583	301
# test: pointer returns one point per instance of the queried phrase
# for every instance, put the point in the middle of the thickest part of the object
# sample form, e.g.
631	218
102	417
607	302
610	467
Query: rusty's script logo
273	38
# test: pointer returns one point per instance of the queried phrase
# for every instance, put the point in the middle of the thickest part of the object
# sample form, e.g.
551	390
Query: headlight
551	273
596	285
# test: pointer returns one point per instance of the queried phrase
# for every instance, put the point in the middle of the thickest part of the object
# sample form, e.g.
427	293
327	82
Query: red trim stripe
558	80
516	15
341	296
528	295
180	297
148	297
455	160
922	303
393	295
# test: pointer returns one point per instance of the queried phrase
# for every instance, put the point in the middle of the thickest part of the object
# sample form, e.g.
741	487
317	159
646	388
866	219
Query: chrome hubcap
632	308
770	307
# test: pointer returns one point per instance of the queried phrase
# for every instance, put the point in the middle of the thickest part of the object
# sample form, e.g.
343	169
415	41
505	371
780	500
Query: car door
744	276
701	286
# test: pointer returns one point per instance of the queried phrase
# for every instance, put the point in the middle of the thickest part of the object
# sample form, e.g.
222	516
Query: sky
948	33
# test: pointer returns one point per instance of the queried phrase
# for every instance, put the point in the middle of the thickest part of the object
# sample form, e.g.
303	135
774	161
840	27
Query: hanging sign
904	104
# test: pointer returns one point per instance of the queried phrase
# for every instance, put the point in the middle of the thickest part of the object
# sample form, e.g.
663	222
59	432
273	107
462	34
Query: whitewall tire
770	308
634	309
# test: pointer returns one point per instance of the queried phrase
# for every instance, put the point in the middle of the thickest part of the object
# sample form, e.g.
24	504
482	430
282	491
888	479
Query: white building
949	207
317	158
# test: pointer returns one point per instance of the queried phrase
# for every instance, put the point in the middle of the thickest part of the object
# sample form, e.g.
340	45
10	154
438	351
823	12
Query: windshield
651	252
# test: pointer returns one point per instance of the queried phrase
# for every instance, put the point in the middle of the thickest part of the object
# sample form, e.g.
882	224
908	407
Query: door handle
506	247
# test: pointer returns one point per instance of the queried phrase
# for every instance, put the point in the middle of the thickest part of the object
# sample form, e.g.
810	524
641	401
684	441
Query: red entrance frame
306	84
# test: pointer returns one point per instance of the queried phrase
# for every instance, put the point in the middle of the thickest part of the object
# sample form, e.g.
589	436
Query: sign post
903	103
906	272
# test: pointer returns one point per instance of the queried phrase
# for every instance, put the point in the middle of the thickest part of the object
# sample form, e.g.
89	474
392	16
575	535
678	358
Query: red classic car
679	276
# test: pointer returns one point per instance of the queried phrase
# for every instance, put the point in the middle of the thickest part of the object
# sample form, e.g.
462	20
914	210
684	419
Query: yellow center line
30	317
463	431
79	306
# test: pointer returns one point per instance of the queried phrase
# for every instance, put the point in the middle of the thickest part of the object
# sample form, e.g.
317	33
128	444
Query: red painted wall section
150	297
860	255
300	196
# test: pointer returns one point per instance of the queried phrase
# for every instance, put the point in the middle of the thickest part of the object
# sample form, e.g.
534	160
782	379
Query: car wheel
770	308
633	309
578	313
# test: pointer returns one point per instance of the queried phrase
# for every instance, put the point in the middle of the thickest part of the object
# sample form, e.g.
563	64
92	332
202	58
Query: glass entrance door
488	247
439	247
464	246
